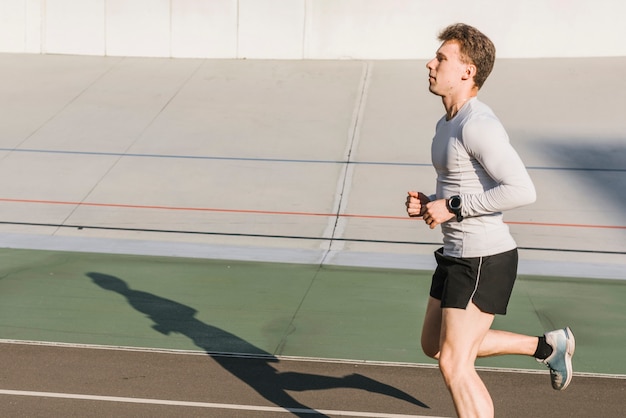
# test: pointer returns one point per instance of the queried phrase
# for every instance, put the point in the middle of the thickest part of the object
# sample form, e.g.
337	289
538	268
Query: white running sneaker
560	361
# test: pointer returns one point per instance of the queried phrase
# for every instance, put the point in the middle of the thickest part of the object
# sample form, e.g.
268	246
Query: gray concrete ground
305	161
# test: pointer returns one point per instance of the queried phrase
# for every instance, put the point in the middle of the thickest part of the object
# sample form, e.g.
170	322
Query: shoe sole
570	348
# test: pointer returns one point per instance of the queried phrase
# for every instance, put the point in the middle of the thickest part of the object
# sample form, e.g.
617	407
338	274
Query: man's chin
433	91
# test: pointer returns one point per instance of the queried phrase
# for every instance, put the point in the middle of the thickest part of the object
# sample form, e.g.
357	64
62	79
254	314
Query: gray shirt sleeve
485	139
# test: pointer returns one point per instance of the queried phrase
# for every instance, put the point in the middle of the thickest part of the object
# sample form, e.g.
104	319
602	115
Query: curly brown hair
475	47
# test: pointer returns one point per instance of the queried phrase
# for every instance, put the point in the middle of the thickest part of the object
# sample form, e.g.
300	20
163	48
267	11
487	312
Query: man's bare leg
497	343
462	332
494	343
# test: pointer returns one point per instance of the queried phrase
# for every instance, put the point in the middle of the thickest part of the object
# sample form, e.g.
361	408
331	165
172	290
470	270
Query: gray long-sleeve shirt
474	159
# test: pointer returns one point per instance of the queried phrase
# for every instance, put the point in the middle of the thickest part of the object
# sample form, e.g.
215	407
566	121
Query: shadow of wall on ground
596	162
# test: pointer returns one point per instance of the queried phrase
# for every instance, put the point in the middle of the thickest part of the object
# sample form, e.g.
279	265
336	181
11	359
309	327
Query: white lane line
205	404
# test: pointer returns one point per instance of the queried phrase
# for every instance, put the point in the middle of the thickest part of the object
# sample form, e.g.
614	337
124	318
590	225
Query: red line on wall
267	212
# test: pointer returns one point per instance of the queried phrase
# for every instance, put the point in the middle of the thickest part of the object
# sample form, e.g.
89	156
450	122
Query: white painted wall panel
271	28
346	29
12	25
138	28
561	28
75	27
204	28
34	21
318	29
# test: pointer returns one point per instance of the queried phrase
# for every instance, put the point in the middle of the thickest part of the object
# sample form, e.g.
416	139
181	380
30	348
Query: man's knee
453	366
446	365
449	372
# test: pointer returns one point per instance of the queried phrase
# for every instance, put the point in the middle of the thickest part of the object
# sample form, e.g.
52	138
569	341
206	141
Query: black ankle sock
543	349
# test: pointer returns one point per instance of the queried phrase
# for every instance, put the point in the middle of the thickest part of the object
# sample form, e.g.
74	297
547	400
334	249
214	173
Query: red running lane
267	212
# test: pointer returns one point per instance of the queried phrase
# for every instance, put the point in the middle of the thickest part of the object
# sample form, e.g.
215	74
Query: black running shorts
486	281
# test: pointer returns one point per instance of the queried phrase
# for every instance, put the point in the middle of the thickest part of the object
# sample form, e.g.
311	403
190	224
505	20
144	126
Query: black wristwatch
455	203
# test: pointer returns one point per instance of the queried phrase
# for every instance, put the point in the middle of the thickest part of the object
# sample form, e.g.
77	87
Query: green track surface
279	309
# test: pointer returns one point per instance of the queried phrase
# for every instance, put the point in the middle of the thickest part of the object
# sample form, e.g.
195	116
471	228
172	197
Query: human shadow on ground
172	317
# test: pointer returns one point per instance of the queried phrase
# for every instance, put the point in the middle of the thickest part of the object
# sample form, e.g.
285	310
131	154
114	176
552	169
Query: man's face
446	71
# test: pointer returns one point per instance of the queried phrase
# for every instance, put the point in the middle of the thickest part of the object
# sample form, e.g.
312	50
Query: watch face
455	202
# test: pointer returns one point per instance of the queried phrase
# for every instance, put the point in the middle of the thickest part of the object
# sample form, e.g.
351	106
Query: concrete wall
307	29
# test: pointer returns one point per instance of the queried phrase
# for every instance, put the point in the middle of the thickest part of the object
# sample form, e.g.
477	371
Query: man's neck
454	104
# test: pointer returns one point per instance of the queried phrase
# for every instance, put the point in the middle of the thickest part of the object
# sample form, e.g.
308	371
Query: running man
479	175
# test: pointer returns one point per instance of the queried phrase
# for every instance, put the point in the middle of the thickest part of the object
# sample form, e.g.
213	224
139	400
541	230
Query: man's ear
470	72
